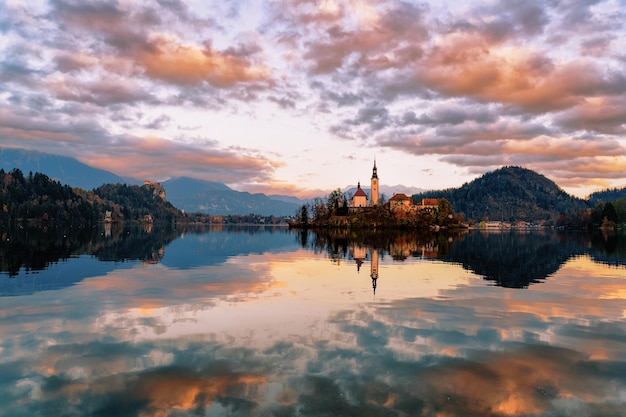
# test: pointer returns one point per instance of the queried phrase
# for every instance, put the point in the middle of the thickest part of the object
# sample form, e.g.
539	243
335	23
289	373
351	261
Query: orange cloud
167	391
190	64
470	65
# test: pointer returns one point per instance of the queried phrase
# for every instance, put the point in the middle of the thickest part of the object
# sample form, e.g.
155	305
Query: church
359	199
399	204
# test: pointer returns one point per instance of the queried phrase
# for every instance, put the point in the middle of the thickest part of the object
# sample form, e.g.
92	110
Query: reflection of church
360	255
374	268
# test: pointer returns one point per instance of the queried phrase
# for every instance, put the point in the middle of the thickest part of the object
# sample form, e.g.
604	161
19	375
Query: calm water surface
266	322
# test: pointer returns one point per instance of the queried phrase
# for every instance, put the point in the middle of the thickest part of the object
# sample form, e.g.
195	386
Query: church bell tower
374	187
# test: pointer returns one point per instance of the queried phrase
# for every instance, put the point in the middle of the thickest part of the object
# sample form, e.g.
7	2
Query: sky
300	97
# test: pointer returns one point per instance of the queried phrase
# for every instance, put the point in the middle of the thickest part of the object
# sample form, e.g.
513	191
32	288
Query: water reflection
27	254
509	259
248	322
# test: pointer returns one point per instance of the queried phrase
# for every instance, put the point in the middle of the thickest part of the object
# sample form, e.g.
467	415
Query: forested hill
37	197
510	194
612	194
133	202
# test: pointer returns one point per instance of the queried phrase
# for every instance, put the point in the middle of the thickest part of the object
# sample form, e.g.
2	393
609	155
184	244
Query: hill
197	196
510	194
38	198
608	195
133	202
59	168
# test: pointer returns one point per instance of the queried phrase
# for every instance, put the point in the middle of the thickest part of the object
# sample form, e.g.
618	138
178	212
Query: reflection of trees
34	249
134	243
400	245
512	259
608	248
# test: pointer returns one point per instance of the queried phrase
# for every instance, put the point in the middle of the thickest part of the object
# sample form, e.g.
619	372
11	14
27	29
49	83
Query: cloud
137	35
145	157
439	78
109	91
190	64
604	115
135	156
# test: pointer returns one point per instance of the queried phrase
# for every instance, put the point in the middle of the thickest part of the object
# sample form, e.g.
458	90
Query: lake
262	321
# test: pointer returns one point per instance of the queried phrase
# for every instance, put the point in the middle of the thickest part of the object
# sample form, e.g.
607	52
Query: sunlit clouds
266	95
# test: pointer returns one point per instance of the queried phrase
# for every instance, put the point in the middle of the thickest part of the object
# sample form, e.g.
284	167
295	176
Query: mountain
288	199
509	194
59	168
188	194
197	196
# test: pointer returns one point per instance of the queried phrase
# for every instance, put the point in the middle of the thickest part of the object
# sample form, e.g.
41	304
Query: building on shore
400	203
359	199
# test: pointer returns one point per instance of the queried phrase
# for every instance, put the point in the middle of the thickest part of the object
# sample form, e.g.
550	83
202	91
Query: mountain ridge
60	168
508	193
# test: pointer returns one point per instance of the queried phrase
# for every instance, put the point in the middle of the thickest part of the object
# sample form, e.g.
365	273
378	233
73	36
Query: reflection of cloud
314	346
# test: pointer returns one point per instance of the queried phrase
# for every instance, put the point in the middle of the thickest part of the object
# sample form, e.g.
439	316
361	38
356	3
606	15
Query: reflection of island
509	259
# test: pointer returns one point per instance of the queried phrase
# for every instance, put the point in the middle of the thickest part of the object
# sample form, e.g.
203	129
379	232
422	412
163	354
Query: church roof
360	193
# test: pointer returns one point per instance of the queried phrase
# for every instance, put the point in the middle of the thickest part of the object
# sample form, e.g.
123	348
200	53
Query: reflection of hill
512	259
134	243
44	259
37	259
509	259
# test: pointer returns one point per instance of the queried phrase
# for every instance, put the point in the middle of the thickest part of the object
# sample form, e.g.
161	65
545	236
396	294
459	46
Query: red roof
360	193
400	197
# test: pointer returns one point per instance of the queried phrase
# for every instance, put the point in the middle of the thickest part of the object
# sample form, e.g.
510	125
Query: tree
444	209
334	202
304	215
610	213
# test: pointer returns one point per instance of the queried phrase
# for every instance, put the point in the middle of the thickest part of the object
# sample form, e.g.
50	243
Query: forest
512	194
37	198
509	194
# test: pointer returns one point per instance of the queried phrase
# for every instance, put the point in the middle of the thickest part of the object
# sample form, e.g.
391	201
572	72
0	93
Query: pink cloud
190	64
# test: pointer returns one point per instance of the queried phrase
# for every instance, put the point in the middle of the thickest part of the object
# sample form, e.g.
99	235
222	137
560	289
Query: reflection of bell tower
374	268
359	254
374	186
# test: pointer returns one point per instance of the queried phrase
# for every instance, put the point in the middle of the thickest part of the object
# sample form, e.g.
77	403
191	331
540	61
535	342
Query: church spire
374	187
